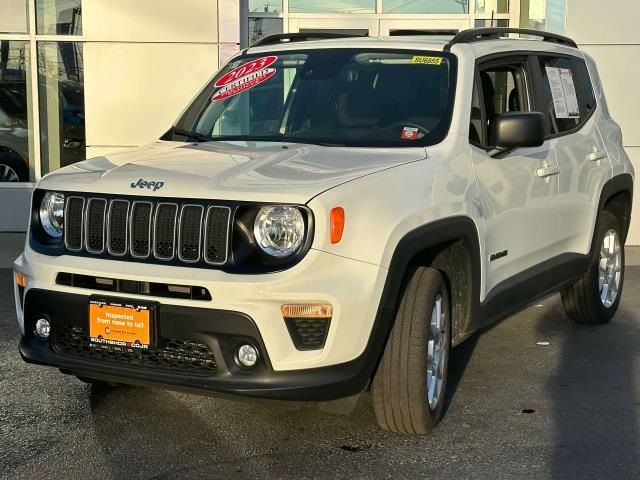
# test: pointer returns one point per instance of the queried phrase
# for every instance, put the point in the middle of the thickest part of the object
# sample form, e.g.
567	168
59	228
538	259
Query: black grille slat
141	229
190	233
74	223
164	232
194	232
216	233
308	333
117	233
95	218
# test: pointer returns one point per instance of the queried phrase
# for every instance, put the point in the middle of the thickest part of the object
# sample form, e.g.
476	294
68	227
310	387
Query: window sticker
563	90
244	77
409	133
426	60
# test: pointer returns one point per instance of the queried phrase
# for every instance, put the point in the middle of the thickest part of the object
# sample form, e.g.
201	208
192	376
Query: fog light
247	356
43	328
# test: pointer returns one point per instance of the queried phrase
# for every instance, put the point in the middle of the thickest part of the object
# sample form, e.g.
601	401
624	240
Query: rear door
566	97
518	190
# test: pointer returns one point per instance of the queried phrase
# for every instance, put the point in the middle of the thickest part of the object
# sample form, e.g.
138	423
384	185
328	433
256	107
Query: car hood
263	172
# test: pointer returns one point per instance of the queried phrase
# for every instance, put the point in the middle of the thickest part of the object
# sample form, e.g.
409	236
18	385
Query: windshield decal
243	84
426	60
409	133
245	69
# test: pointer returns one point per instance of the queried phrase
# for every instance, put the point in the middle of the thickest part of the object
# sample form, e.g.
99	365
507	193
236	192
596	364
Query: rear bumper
221	331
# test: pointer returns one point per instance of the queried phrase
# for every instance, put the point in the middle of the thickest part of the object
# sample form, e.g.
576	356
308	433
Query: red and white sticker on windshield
409	133
244	77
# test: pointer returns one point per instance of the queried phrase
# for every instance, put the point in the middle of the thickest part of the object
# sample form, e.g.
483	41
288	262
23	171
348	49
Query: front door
518	190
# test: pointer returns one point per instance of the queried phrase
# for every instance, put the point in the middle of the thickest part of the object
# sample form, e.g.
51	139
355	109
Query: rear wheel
594	299
409	387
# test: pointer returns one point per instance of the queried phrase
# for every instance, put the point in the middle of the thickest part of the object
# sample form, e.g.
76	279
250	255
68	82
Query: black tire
11	161
399	389
582	301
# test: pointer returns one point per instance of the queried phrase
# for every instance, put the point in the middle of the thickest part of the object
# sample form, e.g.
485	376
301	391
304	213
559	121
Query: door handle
547	171
597	155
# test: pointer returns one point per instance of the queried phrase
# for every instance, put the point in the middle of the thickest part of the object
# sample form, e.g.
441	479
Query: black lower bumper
220	331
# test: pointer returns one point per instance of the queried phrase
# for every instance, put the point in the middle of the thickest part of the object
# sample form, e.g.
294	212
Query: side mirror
513	130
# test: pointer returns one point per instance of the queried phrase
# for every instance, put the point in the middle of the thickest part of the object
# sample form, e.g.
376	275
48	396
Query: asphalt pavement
533	397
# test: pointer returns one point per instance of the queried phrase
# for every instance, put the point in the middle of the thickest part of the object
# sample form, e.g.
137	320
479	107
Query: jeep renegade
331	215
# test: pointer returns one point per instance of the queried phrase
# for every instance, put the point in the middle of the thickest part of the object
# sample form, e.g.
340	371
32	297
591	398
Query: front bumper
353	288
221	331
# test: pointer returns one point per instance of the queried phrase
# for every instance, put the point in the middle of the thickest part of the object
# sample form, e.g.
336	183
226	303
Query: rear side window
586	87
559	95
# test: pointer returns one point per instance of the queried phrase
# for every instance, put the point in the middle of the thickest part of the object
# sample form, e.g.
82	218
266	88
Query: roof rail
479	34
280	38
426	32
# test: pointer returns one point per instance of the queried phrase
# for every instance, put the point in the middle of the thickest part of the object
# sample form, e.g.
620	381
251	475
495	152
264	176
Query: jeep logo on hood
155	186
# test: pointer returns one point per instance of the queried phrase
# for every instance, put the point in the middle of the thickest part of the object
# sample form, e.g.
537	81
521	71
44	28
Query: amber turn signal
21	279
306	311
337	224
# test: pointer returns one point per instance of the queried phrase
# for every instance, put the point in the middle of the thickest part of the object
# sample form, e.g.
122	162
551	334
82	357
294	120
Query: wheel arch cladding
617	198
450	245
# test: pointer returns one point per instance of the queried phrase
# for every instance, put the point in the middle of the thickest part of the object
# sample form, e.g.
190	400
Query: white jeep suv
332	215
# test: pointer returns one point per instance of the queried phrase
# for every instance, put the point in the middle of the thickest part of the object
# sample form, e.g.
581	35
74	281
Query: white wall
609	31
144	61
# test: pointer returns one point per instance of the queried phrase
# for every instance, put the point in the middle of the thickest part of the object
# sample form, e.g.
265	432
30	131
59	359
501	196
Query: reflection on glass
262	27
425	6
334	6
488	7
16	142
487	23
265	6
13	16
536	16
61	92
59	17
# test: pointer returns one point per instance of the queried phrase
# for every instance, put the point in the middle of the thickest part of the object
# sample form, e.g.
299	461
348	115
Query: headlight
279	230
52	214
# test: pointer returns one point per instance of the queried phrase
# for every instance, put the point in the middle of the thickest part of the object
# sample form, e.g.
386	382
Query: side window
476	125
498	89
586	87
559	94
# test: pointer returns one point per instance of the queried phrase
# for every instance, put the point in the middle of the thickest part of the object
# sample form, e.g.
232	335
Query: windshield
341	97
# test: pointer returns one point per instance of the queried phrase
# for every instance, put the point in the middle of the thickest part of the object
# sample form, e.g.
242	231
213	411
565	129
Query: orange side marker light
21	279
337	224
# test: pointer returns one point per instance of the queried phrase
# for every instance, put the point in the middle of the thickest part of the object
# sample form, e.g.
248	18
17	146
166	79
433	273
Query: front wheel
594	299
409	387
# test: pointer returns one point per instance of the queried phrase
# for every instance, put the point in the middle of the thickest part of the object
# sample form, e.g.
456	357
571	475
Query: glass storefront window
260	27
13	18
268	6
487	7
16	141
487	23
61	92
59	17
425	6
335	6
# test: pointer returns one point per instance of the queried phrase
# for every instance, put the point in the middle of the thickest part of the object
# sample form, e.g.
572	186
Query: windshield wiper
253	138
194	135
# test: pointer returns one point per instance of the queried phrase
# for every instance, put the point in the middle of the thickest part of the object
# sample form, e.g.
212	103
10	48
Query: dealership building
83	78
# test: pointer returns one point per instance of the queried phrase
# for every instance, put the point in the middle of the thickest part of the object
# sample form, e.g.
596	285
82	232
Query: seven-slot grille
185	233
